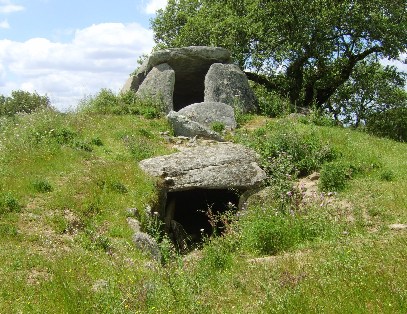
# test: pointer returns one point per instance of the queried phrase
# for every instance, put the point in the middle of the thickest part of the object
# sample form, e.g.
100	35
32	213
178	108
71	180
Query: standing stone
159	85
226	83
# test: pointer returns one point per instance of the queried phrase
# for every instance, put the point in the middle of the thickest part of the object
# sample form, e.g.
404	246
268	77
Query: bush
8	203
387	175
42	186
266	231
22	102
270	103
106	102
306	152
334	176
391	123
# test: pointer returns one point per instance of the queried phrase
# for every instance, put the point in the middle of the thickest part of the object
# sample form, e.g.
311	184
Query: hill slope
66	181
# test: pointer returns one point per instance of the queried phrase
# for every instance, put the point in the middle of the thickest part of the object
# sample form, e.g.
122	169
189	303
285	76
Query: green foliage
391	123
270	103
371	89
22	102
139	147
268	231
334	176
304	50
218	126
106	102
42	186
217	256
278	142
8	203
387	175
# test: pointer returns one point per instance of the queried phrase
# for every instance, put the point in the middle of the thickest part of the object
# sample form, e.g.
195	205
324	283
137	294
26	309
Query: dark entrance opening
192	210
189	88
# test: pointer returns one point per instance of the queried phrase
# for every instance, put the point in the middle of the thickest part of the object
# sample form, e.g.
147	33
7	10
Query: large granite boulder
207	113
199	119
226	83
183	126
159	85
190	65
218	166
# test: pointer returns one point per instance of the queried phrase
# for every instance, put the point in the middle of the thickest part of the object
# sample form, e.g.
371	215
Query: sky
72	49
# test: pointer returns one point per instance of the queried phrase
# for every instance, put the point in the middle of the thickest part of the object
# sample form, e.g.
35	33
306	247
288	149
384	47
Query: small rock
147	244
134	224
314	176
99	285
398	226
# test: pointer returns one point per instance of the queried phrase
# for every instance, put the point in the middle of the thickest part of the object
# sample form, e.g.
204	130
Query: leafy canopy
303	49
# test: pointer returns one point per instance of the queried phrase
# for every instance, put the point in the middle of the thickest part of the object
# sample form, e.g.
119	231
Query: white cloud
154	5
4	24
7	7
99	56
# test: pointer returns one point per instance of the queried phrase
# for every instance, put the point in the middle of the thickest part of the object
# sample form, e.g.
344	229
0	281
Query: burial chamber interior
193	209
188	92
189	85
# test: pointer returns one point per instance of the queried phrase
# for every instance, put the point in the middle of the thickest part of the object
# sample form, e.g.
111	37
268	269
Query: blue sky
69	49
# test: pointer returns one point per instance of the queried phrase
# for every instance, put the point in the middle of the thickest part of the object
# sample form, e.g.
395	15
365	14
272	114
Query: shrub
391	123
306	152
22	102
42	186
270	103
8	203
387	175
334	176
107	102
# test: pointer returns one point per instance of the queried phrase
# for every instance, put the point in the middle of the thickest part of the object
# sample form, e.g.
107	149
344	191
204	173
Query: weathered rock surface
147	244
218	166
226	83
184	126
207	113
197	120
190	65
159	85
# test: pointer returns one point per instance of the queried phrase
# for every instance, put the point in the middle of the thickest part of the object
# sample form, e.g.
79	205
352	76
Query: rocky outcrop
226	83
218	166
159	85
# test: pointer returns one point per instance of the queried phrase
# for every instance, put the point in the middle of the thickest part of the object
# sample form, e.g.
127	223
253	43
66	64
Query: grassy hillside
66	181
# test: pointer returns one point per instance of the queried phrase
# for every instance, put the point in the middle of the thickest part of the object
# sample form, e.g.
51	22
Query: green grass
66	181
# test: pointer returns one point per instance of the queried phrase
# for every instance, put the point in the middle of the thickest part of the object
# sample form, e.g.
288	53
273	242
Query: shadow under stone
190	214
